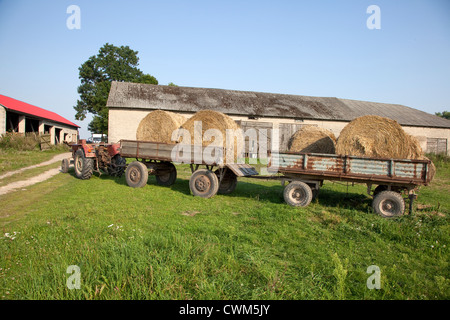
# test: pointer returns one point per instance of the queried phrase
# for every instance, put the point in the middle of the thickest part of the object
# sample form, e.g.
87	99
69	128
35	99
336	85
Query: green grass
11	159
24	175
163	243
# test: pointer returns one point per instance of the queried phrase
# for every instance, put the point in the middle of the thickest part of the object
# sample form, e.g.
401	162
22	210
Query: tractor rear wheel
84	167
118	166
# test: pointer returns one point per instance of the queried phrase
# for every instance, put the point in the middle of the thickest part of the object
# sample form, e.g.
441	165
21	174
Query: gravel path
39	178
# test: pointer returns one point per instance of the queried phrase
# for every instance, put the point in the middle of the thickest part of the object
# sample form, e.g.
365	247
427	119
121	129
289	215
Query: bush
19	141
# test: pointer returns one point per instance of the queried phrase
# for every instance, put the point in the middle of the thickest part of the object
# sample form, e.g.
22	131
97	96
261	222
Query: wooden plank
242	170
256	124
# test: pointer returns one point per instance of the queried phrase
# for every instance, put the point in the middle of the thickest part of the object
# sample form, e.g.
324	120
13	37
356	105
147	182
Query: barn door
436	145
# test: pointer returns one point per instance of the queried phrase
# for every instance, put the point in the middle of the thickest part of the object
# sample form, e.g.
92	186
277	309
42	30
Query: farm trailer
154	158
392	178
305	173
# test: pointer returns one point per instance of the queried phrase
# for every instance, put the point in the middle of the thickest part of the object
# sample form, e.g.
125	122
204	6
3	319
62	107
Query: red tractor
102	158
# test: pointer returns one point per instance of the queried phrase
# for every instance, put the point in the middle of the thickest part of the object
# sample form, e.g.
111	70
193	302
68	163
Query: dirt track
39	178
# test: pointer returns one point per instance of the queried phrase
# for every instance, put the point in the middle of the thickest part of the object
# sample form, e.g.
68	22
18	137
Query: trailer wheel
65	165
298	194
169	178
136	174
204	183
84	167
228	182
388	204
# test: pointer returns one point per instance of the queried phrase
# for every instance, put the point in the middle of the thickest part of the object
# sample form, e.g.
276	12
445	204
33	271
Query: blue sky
315	48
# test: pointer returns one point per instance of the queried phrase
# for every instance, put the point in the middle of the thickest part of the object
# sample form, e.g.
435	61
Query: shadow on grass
181	185
257	190
327	198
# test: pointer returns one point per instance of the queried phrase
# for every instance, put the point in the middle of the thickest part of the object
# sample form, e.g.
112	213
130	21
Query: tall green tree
96	74
444	114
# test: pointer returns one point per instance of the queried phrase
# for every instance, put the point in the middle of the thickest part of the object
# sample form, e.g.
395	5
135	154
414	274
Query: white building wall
123	124
422	134
2	120
72	133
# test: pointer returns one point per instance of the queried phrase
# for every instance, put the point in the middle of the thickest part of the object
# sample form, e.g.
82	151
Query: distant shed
129	103
21	117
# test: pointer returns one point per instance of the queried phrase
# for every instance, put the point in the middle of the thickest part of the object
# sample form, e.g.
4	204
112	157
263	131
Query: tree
444	114
110	64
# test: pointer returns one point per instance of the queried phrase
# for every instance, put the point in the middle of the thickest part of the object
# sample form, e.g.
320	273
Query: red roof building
22	117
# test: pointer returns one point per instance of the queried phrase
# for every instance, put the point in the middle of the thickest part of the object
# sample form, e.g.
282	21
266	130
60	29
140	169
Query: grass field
11	159
163	243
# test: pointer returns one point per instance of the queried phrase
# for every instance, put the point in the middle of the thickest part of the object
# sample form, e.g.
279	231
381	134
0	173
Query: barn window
436	145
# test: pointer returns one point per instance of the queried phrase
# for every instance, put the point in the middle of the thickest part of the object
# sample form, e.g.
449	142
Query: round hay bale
215	120
158	126
375	136
416	151
312	139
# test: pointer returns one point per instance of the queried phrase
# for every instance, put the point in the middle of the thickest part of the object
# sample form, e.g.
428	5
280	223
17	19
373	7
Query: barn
129	103
22	117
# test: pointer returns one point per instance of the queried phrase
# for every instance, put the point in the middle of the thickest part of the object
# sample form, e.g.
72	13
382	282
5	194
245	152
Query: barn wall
123	124
71	133
429	136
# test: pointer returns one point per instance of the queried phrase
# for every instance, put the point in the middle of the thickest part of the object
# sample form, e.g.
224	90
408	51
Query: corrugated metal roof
259	104
26	108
